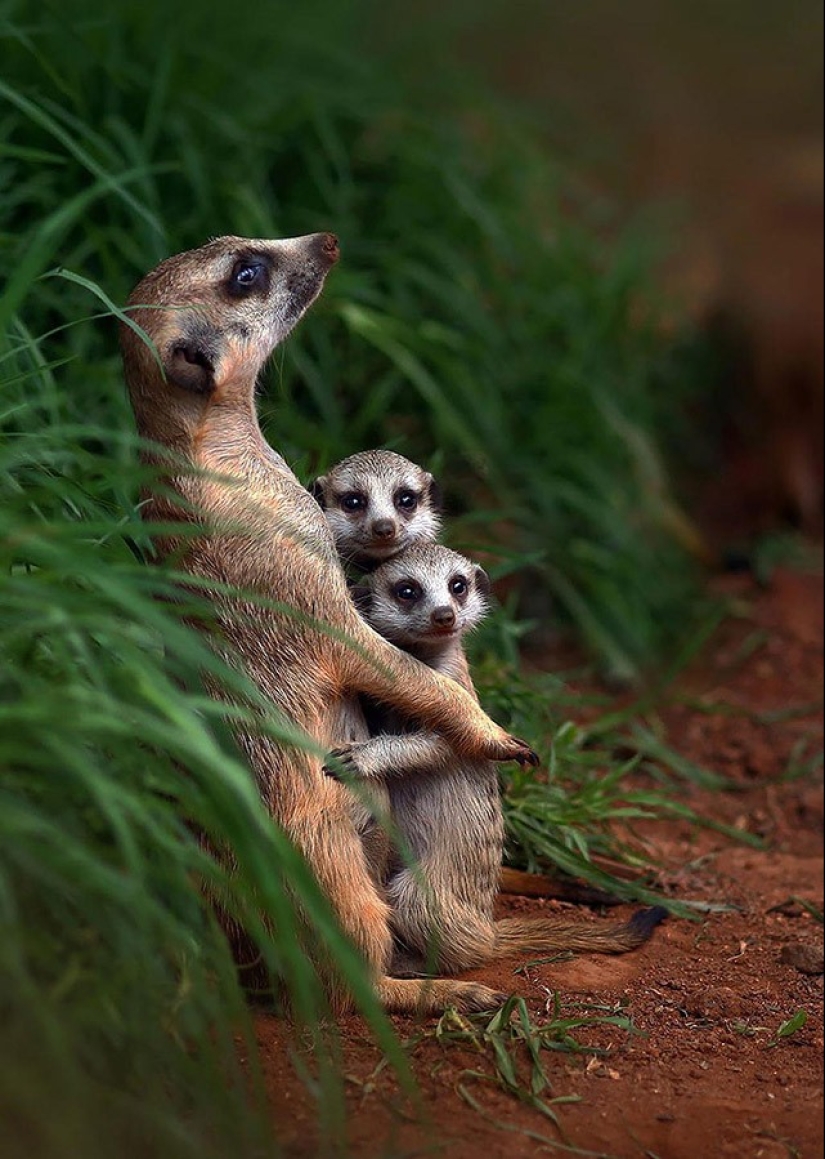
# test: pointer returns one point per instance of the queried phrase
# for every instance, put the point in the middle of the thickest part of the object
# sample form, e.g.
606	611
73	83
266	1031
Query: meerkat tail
514	935
525	884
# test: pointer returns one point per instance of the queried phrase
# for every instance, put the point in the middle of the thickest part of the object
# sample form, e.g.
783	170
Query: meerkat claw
528	757
338	765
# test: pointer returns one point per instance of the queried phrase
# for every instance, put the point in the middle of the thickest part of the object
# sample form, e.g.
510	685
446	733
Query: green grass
598	780
472	325
513	1051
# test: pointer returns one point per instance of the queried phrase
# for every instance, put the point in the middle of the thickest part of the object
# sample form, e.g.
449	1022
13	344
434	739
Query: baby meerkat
377	503
448	809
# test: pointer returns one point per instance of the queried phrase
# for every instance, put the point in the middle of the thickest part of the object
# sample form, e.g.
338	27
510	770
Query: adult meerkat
214	315
378	503
448	808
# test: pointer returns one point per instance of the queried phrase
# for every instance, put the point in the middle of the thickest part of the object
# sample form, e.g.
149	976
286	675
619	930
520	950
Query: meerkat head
425	599
378	503
214	315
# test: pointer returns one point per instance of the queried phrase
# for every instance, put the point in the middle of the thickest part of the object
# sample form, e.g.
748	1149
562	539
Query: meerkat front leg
379	670
391	754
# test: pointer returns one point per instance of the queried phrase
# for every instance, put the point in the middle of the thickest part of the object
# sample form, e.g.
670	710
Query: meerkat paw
435	995
473	998
511	748
349	762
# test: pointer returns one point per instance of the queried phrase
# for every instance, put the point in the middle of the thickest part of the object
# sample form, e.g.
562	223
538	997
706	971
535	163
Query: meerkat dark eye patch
405	499
407	591
191	364
353	501
251	274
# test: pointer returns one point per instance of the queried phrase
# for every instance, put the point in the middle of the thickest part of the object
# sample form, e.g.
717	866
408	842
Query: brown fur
265	533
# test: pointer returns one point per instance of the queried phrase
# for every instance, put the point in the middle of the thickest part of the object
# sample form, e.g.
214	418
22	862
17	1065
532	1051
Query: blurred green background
549	217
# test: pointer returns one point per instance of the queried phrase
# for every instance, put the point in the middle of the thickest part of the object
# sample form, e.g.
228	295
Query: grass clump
515	1049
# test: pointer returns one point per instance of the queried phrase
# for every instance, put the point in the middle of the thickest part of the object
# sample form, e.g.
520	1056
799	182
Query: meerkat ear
435	494
190	364
317	488
362	597
483	581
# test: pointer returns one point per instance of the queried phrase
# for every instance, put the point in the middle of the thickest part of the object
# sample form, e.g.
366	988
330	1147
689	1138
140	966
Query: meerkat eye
458	586
407	591
248	274
405	500
353	501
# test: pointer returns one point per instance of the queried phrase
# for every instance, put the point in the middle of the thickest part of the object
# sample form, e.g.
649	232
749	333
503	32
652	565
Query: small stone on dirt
717	1004
807	958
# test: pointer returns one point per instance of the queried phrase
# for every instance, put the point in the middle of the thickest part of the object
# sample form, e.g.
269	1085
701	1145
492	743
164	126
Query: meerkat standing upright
214	315
448	809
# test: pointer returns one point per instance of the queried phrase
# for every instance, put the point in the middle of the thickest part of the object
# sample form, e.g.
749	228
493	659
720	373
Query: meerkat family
213	316
426	598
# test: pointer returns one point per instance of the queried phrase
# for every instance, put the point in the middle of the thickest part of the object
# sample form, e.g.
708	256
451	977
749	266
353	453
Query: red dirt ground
707	1076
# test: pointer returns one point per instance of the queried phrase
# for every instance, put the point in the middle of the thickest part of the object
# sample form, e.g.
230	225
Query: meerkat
378	503
213	316
446	808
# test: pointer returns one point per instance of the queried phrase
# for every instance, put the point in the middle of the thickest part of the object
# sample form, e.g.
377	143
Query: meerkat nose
443	617
329	247
383	529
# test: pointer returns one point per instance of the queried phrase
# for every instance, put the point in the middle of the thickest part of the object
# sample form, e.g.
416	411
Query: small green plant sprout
790	1027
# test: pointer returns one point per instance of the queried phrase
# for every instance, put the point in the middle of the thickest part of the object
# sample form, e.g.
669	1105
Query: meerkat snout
384	528
377	504
443	617
330	247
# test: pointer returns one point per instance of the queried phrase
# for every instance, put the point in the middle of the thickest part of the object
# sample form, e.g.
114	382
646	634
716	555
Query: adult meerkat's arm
378	669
